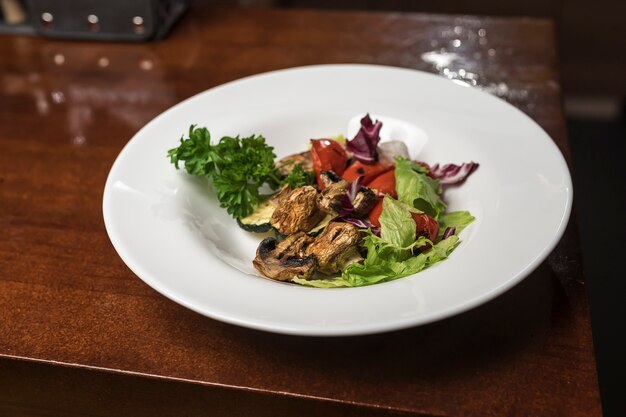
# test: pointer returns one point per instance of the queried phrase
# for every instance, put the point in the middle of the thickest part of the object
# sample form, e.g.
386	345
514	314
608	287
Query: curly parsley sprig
298	177
238	168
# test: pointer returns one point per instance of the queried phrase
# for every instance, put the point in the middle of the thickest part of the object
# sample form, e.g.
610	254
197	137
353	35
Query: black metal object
104	20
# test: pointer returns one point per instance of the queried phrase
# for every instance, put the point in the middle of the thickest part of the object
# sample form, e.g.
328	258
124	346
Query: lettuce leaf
381	269
416	189
457	219
397	227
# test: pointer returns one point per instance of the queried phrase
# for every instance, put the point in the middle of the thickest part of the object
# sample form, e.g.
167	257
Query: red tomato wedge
425	225
385	183
367	171
328	155
375	212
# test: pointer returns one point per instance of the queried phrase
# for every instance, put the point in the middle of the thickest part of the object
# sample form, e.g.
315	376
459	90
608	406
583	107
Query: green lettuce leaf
416	189
397	227
388	270
457	219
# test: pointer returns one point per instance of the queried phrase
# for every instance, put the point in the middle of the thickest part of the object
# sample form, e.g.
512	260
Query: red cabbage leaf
451	173
363	146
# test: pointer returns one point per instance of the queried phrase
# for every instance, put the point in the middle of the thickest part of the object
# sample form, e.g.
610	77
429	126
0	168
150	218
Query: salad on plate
344	213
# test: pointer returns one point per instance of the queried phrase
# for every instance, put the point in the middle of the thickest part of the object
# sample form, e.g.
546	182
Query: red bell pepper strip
328	155
374	214
367	171
385	183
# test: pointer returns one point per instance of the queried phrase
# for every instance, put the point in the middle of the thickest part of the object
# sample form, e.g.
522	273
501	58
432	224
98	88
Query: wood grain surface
81	334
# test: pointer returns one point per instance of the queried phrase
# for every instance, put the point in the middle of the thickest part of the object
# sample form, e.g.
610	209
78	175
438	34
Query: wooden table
80	334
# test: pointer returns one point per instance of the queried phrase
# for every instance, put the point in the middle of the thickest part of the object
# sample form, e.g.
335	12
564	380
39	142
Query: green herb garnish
238	167
298	177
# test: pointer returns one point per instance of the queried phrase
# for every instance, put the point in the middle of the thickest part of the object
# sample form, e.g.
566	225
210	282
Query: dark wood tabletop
80	334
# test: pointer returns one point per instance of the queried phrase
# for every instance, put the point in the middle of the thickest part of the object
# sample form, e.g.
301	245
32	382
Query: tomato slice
328	155
367	171
425	225
385	183
374	214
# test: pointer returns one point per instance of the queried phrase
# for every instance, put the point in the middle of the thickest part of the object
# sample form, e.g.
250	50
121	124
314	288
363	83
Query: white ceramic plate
169	230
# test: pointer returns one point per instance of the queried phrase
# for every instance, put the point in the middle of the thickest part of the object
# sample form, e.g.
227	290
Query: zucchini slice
259	220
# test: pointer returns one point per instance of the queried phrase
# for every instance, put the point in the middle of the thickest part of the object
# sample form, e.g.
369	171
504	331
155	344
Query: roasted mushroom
297	211
337	195
285	260
288	163
335	191
329	179
282	193
363	202
336	247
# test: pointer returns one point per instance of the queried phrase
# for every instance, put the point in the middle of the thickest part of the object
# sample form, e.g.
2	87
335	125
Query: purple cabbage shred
363	224
449	232
451	173
364	145
347	207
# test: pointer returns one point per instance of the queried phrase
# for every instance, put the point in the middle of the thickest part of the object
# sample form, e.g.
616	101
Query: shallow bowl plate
168	228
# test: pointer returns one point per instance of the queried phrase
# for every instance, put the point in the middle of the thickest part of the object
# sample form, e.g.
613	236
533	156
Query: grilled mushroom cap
297	211
336	191
364	201
336	247
285	260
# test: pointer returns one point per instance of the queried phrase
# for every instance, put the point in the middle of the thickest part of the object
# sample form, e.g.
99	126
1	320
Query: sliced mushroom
285	260
329	178
336	247
282	193
336	192
288	163
297	211
364	201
